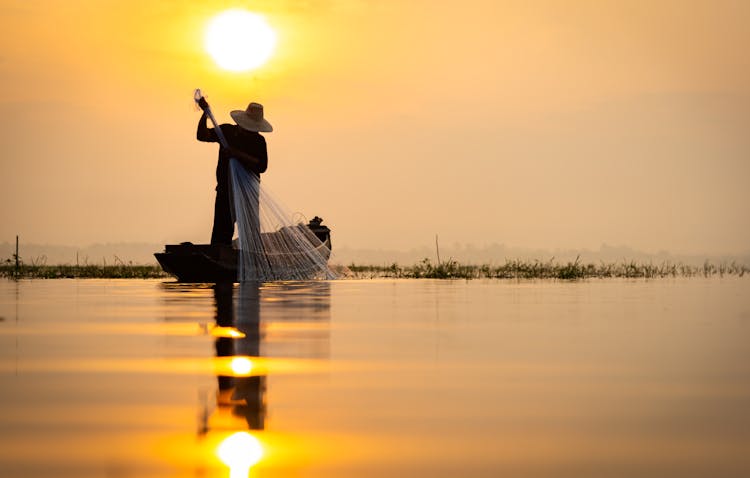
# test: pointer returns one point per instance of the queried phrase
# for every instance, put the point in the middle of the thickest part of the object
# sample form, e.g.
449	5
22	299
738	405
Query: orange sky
531	123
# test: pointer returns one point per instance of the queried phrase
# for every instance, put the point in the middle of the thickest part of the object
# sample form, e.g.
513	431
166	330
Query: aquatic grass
516	269
87	271
16	268
535	269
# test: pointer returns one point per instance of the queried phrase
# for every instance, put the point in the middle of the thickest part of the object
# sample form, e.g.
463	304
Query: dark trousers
223	223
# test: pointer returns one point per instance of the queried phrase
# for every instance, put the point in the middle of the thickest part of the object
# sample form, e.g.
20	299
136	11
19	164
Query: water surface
418	378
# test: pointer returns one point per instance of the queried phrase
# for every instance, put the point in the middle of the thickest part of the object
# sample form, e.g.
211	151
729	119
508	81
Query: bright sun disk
239	40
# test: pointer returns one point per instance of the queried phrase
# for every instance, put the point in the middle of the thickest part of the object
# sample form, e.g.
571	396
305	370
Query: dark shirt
248	142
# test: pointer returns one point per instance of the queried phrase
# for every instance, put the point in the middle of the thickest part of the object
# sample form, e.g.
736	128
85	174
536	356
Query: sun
239	40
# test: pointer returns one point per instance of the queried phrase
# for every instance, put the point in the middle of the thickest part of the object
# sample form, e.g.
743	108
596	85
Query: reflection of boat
240	394
246	345
218	263
260	330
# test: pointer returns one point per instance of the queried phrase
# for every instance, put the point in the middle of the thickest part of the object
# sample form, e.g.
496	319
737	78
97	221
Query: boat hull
199	262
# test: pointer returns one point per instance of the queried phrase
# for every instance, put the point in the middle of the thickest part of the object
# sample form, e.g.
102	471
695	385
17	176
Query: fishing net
272	246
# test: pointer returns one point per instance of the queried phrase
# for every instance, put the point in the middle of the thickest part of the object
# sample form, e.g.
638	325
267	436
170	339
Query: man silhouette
247	146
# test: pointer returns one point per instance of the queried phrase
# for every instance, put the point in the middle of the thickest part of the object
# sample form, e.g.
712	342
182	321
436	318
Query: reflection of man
247	146
242	396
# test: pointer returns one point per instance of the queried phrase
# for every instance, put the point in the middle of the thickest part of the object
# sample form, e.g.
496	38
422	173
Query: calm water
375	378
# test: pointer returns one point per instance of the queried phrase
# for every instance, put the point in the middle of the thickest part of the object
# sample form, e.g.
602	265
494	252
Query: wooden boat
218	263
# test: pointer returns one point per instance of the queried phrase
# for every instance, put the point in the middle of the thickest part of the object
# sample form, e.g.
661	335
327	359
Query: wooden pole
437	248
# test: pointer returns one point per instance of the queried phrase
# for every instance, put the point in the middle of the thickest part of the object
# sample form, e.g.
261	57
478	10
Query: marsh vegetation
525	269
88	271
451	269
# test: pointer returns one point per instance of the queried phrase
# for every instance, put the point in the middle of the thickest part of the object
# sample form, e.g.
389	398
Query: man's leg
223	224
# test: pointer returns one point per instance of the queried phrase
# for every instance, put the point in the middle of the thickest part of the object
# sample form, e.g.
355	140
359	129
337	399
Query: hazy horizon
540	125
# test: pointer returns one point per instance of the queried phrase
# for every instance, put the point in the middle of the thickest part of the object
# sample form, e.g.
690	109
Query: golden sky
531	123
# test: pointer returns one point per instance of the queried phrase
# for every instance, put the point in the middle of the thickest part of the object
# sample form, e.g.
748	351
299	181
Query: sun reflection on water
227	332
241	366
240	452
